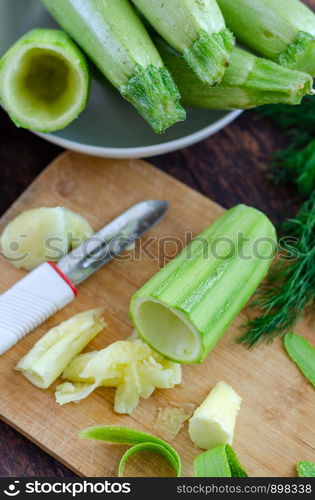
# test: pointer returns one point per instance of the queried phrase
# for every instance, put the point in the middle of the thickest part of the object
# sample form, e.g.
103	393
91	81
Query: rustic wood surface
228	168
276	396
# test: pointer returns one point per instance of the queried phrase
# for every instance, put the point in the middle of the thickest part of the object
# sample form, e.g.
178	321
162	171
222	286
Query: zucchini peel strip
140	442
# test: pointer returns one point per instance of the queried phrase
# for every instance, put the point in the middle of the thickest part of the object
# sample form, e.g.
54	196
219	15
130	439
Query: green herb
218	462
296	163
302	353
305	469
290	287
52	353
140	442
297	120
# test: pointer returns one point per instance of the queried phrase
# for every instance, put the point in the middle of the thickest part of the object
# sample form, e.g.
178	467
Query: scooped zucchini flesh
188	305
44	81
42	234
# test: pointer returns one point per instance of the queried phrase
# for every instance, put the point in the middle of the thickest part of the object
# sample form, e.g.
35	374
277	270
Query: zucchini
302	354
221	461
42	234
115	39
53	352
196	29
248	82
187	306
281	30
131	366
44	81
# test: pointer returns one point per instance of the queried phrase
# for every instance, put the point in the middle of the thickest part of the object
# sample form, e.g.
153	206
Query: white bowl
109	126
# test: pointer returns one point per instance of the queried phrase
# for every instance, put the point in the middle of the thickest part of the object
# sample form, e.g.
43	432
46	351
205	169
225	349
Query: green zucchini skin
197	30
248	82
281	30
54	44
211	280
114	37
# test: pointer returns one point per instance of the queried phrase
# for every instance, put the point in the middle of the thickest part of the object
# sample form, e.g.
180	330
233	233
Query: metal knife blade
115	237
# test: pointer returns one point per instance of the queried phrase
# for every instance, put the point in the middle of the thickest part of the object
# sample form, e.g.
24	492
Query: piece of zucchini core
44	80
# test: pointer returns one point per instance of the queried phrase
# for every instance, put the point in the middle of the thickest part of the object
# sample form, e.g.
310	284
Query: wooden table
229	168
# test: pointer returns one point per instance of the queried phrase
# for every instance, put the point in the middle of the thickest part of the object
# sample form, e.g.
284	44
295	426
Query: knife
52	286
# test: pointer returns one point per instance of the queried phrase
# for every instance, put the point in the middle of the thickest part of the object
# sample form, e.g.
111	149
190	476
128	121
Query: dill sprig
296	119
290	286
296	163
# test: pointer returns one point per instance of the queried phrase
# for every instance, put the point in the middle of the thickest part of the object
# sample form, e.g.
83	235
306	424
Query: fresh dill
297	120
290	287
296	163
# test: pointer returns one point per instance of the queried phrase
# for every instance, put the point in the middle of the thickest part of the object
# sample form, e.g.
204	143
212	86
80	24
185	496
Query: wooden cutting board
275	428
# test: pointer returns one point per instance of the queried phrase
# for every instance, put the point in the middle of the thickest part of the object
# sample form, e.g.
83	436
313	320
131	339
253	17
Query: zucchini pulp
44	80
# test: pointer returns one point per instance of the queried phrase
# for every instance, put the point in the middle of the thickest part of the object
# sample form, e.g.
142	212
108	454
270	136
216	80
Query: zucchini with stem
281	30
187	306
196	29
44	80
248	82
114	37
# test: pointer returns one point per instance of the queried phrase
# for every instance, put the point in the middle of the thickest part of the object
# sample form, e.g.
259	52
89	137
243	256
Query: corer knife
52	286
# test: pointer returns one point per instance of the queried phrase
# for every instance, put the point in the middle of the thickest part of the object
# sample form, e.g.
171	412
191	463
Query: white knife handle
31	301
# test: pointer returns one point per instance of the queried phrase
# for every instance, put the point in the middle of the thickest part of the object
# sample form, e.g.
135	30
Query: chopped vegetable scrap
221	461
52	353
140	442
131	366
213	422
305	469
289	290
302	353
170	420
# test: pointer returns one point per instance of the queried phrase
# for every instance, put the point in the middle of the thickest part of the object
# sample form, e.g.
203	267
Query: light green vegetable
43	234
186	307
302	353
140	442
281	30
131	366
248	82
213	422
218	462
305	469
48	358
44	81
196	29
114	37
